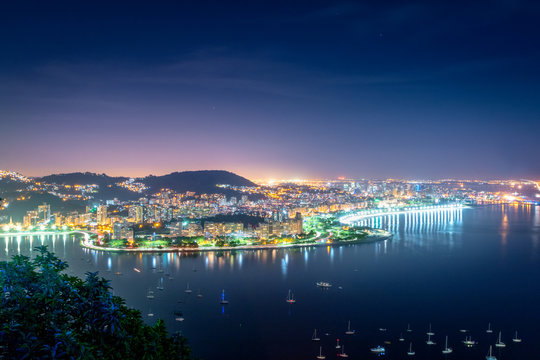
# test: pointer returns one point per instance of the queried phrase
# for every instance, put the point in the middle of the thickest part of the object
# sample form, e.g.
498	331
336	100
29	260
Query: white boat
499	342
349	331
463	330
446	349
489	330
290	298
409	328
199	295
516	339
430	332
315	337
324	284
160	284
401	338
378	350
410	352
320	356
469	341
150	294
223	301
337	345
490	355
179	318
382	329
188	290
343	354
428	341
150	313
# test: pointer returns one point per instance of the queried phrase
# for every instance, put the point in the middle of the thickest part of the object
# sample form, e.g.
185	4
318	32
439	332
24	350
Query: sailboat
188	290
337	345
290	298
499	342
429	331
409	328
469	342
489	331
320	356
349	331
223	301
199	295
410	352
150	294
150	313
429	342
516	339
379	349
160	284
446	349
315	337
343	354
490	355
401	338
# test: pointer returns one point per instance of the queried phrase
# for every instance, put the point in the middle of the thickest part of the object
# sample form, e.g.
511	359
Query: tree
47	314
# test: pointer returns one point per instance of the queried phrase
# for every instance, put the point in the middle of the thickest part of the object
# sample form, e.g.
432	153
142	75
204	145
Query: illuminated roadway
365	214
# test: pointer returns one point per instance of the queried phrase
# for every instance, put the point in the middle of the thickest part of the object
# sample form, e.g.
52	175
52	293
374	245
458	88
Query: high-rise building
44	212
102	215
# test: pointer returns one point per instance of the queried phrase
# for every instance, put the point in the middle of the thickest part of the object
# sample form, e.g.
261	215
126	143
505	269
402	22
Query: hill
202	181
80	178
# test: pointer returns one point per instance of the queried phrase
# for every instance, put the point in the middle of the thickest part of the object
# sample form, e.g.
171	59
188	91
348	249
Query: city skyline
292	90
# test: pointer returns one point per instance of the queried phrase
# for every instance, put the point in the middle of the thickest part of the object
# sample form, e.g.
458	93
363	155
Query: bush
47	314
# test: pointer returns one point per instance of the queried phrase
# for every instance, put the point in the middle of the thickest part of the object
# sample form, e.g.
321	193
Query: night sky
277	89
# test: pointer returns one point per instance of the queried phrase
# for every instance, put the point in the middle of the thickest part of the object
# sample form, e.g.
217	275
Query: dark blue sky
424	89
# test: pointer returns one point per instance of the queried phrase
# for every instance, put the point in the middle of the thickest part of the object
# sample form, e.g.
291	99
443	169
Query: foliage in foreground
47	314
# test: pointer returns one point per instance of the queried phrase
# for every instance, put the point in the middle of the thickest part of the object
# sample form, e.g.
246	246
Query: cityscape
200	180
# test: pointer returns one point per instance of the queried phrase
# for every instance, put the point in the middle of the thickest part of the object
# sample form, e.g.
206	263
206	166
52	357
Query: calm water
455	269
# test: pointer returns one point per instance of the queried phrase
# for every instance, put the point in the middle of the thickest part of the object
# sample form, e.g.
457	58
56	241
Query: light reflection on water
444	267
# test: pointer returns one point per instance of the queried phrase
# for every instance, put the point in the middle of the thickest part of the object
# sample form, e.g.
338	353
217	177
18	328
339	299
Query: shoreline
367	240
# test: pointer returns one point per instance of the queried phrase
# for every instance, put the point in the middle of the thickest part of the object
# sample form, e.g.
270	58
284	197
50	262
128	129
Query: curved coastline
381	235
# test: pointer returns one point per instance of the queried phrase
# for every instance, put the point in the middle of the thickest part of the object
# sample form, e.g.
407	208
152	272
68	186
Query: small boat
160	270
349	331
324	285
150	313
401	338
315	337
490	355
320	356
409	328
430	332
489	330
468	341
188	290
410	352
337	345
179	318
446	349
516	339
343	354
499	342
137	270
378	350
463	330
199	295
118	273
160	284
340	288
429	341
290	298
150	294
223	301
382	329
